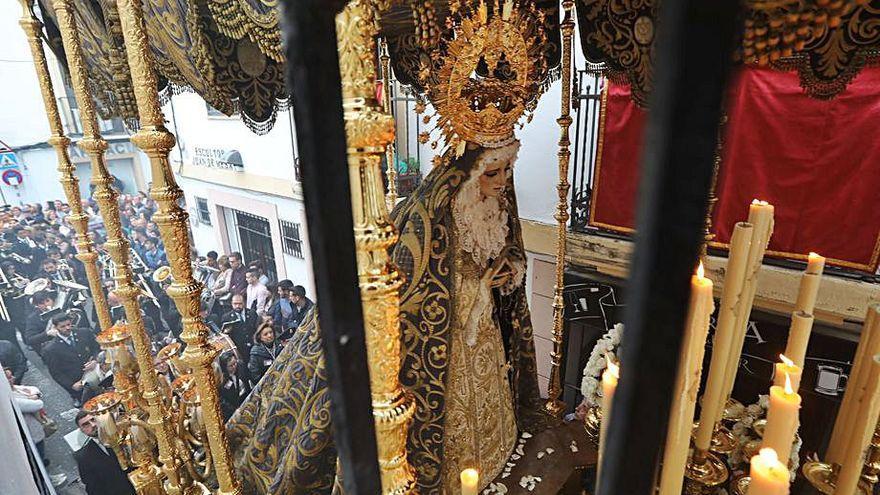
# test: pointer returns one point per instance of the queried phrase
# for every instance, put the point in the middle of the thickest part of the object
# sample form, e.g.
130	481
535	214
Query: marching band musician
36	331
71	356
48	270
24	248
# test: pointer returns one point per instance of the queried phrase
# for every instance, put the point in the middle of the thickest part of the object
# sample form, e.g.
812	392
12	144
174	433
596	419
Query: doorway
255	241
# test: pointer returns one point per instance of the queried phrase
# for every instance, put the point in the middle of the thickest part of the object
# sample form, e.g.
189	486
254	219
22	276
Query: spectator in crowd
257	294
70	355
13	360
240	323
235	384
223	281
153	256
281	310
30	402
237	280
302	305
98	466
211	259
263	352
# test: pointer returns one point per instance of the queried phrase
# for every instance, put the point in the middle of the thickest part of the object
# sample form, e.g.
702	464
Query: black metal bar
694	47
313	77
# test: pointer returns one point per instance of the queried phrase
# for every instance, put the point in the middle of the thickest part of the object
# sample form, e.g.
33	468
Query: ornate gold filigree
368	133
489	73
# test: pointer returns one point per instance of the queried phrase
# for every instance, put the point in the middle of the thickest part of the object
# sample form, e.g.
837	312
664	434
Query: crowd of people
45	305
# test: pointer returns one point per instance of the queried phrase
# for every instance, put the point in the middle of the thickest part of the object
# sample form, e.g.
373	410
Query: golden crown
489	73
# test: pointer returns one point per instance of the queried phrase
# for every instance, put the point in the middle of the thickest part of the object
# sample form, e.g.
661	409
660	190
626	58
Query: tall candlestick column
368	131
178	481
156	141
554	405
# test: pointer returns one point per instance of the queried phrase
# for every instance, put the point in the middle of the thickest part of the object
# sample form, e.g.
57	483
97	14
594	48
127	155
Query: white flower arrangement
606	345
744	433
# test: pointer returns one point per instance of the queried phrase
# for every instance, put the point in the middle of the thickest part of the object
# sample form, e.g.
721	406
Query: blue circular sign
12	177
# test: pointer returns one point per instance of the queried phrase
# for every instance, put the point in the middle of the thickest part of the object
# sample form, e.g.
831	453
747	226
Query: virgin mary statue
467	347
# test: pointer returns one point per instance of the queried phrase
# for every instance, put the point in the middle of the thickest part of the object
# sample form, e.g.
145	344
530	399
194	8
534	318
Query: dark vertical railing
313	77
693	56
588	107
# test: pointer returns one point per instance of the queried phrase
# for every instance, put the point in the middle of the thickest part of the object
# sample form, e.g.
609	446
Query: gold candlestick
368	132
177	480
391	165
554	405
69	181
705	473
155	140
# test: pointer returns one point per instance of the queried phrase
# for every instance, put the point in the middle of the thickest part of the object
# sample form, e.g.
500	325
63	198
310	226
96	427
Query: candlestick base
593	423
821	475
704	473
723	441
740	484
733	410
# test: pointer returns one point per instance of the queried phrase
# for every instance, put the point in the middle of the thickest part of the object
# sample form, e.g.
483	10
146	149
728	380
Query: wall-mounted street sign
8	159
12	177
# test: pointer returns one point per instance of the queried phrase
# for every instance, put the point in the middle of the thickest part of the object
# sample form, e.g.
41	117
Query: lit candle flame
470	475
814	255
769	456
788	362
613	367
700	271
788	388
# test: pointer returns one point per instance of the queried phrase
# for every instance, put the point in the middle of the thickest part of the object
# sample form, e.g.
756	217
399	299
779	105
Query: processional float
183	418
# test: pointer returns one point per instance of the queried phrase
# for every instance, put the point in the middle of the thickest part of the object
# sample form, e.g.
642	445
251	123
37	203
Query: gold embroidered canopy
826	42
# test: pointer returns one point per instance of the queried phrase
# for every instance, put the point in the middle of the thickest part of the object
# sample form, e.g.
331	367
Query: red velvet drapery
816	161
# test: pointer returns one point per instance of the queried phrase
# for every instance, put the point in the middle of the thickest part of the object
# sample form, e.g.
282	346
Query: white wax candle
815	263
684	398
768	475
787	367
470	479
782	419
609	384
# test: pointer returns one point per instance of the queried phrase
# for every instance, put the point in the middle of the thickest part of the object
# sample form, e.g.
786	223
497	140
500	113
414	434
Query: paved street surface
56	400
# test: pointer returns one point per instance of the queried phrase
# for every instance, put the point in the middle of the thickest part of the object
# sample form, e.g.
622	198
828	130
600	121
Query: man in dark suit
70	354
238	280
240	323
98	466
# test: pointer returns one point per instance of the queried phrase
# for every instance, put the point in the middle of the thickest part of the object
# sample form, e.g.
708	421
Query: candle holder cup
705	473
823	477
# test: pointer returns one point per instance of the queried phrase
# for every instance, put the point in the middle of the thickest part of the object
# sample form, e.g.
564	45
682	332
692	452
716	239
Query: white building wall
266	186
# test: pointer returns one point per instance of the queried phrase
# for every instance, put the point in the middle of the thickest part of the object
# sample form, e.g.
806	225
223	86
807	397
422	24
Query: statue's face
494	179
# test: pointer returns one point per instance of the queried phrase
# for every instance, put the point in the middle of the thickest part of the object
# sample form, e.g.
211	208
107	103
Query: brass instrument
65	271
19	281
163	274
4	311
36	285
19	258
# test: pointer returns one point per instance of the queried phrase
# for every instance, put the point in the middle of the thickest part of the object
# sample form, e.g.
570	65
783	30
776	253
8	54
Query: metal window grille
587	102
203	211
255	238
291	240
